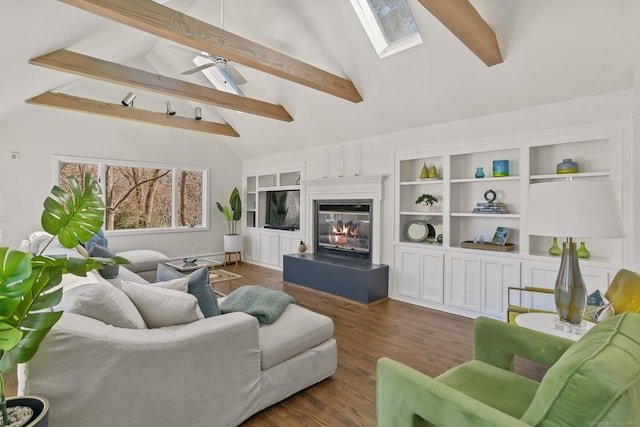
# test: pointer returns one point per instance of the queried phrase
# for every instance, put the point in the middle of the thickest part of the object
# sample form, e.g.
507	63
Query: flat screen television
283	210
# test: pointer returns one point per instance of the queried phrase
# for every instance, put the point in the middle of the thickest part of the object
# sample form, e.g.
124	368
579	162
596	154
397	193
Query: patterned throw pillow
598	308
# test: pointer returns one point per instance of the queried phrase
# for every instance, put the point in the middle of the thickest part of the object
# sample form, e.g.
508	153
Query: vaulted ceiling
552	51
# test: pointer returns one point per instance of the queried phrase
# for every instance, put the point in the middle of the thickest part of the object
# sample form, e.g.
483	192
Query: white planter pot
232	243
427	207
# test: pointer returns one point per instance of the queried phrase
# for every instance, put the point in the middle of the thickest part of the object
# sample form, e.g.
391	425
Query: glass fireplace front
343	228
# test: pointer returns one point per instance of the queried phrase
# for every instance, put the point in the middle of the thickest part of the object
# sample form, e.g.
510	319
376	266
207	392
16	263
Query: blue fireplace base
352	279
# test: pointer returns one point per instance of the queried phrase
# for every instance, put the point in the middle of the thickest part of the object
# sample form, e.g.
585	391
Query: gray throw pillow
199	287
107	271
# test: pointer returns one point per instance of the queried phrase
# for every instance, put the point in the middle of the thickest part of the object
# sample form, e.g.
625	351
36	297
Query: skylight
389	25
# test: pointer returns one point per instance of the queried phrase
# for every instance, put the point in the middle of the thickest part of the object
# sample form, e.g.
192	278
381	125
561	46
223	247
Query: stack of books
490	208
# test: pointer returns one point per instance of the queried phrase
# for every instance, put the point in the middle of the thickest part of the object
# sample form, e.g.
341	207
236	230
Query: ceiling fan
208	60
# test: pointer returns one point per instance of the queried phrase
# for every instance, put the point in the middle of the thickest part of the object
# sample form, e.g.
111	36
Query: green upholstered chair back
596	381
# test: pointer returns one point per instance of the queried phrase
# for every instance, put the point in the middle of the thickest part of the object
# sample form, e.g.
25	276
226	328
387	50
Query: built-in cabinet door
497	275
419	274
544	274
288	245
432	277
270	248
464	279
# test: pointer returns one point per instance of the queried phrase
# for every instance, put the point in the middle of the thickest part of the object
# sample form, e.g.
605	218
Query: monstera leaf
29	285
74	215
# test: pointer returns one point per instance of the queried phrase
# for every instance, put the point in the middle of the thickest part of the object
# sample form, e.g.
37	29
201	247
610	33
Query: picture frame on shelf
501	235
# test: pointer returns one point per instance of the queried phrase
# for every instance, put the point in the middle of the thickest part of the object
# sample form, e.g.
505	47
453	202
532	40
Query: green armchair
594	381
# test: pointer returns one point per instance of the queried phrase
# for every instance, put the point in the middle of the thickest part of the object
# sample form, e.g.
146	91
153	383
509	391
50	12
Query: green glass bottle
555	250
583	252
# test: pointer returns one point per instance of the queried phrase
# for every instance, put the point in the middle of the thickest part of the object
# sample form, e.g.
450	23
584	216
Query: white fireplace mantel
346	188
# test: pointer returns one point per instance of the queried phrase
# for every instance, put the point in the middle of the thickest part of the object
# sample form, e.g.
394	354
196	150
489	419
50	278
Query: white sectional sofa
216	371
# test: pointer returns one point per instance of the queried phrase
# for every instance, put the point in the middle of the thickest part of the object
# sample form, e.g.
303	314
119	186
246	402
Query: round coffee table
550	324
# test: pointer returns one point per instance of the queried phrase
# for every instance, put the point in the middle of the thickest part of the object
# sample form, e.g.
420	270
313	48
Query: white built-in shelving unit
473	282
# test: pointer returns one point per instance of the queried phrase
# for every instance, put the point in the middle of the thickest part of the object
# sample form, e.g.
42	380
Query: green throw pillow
199	287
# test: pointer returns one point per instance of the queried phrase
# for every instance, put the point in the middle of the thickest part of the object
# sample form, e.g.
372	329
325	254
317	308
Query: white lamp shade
573	209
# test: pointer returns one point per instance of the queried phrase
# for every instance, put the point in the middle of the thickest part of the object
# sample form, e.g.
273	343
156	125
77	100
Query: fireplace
342	228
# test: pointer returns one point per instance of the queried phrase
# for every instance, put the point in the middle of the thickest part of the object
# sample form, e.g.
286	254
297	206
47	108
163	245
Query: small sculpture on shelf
433	172
491	206
479	172
427	200
567	166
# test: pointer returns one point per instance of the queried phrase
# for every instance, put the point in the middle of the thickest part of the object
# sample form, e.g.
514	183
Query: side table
550	324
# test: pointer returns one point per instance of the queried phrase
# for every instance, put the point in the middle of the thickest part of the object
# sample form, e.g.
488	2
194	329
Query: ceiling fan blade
198	68
235	75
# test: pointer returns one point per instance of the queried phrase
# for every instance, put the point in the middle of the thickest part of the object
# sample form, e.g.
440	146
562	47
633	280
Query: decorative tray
487	246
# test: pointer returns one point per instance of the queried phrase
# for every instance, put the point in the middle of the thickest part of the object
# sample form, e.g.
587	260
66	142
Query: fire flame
342	231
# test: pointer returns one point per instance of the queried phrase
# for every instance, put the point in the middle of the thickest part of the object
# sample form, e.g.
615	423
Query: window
389	25
144	196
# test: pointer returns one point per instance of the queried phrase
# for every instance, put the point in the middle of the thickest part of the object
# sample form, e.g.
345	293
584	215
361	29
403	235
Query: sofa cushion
161	307
102	301
296	330
199	286
596	381
143	259
107	271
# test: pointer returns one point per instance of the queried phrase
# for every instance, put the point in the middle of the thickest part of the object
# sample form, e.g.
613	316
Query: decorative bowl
189	260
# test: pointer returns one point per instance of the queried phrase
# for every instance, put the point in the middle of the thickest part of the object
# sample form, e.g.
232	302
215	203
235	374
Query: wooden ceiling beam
464	21
74	103
170	24
87	66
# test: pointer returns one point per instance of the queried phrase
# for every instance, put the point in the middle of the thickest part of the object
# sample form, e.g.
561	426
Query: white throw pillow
180	284
103	302
161	307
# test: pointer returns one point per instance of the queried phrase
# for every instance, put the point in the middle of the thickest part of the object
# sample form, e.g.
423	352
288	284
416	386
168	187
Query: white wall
378	152
37	133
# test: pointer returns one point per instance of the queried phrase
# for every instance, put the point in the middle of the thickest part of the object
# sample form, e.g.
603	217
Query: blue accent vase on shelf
479	172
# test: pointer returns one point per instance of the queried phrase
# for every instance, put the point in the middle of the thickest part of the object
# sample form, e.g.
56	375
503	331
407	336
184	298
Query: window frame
376	35
175	168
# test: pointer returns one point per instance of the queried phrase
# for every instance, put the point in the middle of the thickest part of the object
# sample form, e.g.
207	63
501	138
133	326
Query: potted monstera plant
232	214
29	285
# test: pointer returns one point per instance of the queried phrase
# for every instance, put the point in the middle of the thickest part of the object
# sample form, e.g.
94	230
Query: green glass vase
555	250
424	172
583	252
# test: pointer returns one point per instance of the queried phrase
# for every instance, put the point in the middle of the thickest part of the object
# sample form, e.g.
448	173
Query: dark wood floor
428	340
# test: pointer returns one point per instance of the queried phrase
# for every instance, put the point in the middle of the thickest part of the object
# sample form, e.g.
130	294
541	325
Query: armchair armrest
404	394
497	343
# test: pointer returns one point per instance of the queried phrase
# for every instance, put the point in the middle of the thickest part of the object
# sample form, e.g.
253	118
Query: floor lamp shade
584	209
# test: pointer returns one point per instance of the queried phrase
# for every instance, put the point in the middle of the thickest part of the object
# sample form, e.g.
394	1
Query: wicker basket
488	246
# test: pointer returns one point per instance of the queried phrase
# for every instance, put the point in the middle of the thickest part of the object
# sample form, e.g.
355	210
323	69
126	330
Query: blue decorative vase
501	168
567	166
479	172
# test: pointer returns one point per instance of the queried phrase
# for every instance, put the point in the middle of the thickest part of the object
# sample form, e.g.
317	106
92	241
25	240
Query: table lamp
571	209
4	214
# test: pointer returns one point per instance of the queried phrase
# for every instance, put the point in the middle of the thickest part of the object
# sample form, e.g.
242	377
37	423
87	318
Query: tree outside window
143	197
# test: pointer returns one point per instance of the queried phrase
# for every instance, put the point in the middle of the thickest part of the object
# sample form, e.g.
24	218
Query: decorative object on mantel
427	201
490	207
583	252
479	172
302	248
572	213
487	246
567	166
555	249
501	168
